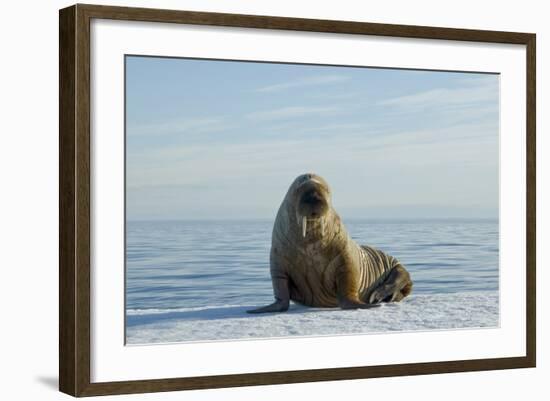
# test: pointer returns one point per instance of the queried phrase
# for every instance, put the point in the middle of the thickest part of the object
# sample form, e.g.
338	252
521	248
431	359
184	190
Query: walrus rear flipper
395	287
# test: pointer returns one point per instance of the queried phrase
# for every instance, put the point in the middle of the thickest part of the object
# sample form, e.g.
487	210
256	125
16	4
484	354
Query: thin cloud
309	81
482	90
195	125
290	112
180	165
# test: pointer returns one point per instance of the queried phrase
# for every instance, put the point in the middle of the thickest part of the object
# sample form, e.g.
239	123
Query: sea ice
227	322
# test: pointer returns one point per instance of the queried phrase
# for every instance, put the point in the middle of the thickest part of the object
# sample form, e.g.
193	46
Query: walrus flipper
276	306
356	304
394	288
281	292
347	288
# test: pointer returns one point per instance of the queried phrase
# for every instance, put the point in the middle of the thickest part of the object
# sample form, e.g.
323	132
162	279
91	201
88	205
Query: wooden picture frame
74	199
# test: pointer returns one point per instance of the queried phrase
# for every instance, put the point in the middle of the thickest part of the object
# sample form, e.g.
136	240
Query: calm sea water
182	264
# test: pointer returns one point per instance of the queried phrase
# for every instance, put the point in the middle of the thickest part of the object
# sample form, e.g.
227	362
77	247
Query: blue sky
224	139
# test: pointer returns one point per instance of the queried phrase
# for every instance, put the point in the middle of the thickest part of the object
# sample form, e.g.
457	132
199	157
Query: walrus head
310	196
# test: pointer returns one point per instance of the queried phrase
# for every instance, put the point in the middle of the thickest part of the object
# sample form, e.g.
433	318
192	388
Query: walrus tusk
322	227
304	226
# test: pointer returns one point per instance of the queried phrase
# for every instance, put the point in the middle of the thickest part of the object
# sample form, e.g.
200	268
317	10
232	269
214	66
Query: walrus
314	261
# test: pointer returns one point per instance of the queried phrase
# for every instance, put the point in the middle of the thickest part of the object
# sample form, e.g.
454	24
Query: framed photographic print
250	200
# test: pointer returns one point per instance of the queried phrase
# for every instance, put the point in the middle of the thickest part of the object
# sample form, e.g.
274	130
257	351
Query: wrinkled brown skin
326	268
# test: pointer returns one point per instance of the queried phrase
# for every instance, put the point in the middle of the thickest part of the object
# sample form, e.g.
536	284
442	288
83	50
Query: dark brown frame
74	199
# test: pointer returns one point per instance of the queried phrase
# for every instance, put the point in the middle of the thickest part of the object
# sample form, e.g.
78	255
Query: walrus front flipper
281	292
347	289
397	286
277	306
